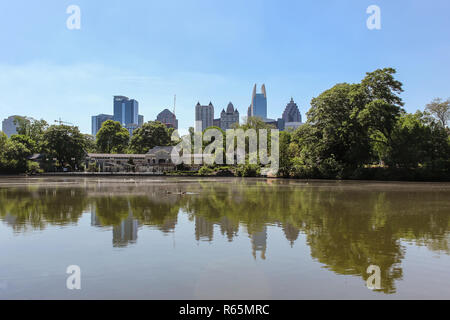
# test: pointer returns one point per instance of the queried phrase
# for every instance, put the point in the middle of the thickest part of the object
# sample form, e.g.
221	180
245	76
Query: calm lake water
185	238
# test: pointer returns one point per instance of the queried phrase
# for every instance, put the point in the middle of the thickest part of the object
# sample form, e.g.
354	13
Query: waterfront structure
228	117
9	125
158	159
98	120
258	106
204	116
168	118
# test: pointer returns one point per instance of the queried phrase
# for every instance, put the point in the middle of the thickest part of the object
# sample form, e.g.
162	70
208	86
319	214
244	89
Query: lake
223	238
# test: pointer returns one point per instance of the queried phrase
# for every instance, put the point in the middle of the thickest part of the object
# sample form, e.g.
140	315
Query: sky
211	50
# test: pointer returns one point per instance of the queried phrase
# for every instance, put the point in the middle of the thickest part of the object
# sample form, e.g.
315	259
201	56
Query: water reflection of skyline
346	228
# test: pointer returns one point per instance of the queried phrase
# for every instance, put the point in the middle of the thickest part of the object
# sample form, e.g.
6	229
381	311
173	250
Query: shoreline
148	175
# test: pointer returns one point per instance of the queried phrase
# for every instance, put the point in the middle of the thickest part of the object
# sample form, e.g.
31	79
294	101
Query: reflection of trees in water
347	229
34	207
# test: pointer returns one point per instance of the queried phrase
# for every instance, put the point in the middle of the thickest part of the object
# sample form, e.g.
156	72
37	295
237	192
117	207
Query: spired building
204	116
168	118
227	118
97	122
292	118
258	108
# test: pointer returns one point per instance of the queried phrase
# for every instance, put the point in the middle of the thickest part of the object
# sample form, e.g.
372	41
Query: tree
285	156
150	135
31	128
345	121
14	156
27	141
91	146
112	137
440	110
65	143
417	140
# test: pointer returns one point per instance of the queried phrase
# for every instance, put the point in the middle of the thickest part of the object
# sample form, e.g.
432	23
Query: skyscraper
258	107
291	113
126	111
204	116
229	117
97	122
9	127
291	116
168	118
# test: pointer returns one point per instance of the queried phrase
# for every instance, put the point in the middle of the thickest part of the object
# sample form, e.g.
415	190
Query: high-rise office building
204	116
291	116
291	113
168	118
126	111
258	107
97	122
9	127
229	117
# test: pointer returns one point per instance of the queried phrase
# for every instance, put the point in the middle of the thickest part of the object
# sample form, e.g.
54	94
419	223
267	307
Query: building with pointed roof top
229	117
258	106
204	116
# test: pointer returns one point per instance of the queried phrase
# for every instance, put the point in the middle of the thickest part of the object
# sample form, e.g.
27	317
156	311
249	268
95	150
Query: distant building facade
229	117
204	116
98	120
168	118
126	110
9	127
258	107
292	117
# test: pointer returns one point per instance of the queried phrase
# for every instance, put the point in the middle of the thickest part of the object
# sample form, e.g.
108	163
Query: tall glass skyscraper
126	111
258	108
97	122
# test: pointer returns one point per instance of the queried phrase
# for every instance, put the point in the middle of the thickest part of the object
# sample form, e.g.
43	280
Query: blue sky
211	50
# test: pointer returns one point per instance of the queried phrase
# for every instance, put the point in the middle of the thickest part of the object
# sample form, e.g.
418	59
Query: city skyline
296	49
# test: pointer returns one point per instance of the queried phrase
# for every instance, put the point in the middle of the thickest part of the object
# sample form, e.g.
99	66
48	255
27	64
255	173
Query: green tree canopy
345	120
65	143
150	135
112	137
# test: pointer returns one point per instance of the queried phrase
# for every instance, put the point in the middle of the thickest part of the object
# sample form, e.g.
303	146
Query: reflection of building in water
204	230
291	233
95	220
126	232
168	226
259	242
10	220
228	228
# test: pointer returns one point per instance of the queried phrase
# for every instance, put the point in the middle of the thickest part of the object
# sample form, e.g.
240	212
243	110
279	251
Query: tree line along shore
353	131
